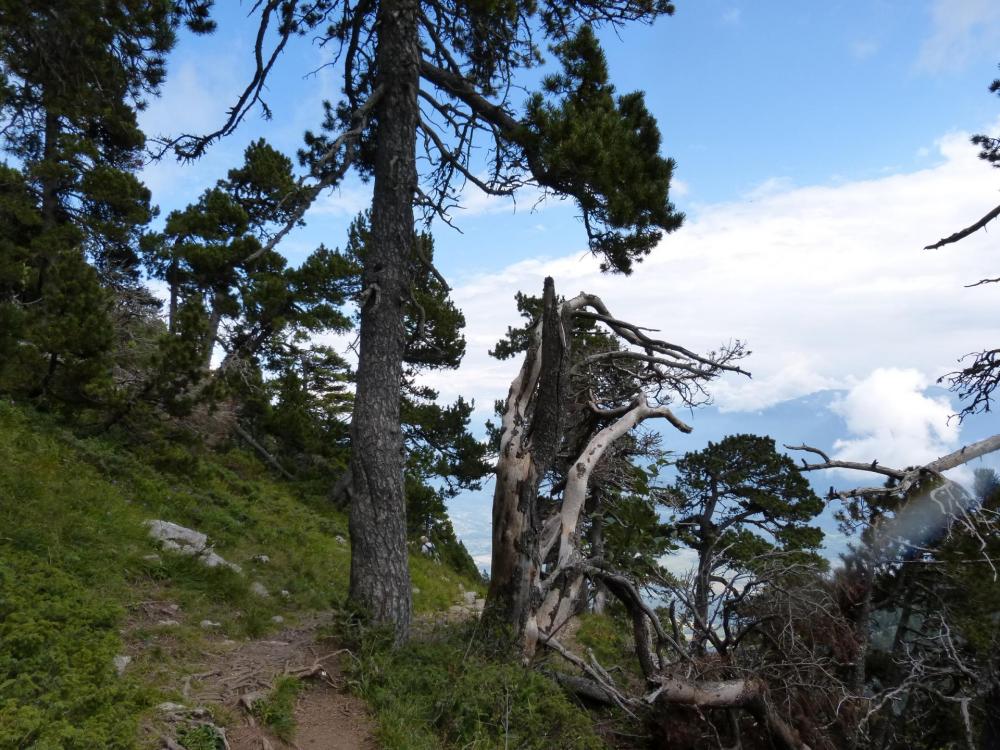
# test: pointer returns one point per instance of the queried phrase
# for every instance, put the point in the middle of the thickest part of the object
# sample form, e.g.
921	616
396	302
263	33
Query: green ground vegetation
75	562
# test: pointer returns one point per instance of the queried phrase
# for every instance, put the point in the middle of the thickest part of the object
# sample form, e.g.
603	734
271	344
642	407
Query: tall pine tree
458	62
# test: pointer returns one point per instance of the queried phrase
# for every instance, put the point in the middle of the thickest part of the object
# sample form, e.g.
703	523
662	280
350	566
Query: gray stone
284	593
259	589
248	700
469	597
184	541
151	558
340	540
175	536
121	661
168	623
416	590
169	707
277	619
213	560
208	624
262	559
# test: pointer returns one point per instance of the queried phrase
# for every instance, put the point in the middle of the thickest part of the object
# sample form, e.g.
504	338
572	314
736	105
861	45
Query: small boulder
259	589
469	597
249	700
340	540
277	619
168	623
177	537
121	661
208	624
184	541
261	559
213	560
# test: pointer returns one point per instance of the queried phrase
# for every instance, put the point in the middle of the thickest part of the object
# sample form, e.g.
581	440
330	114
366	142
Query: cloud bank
827	284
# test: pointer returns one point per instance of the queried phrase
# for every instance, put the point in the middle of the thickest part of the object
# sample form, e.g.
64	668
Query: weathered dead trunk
541	569
380	578
749	694
532	430
537	603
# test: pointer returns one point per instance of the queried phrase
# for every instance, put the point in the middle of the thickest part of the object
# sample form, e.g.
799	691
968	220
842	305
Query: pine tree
72	77
459	62
734	502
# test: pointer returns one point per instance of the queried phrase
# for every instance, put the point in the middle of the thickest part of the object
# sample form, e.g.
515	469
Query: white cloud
890	418
826	283
679	188
962	30
474	202
348	200
681	562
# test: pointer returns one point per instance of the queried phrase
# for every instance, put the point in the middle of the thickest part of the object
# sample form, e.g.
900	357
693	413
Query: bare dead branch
963	233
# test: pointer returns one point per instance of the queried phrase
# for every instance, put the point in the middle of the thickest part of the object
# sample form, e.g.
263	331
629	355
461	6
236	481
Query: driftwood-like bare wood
541	565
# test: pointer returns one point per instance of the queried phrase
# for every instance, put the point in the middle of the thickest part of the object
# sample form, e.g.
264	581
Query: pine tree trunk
50	194
380	578
702	586
174	295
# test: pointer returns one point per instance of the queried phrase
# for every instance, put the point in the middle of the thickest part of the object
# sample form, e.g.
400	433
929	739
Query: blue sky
819	147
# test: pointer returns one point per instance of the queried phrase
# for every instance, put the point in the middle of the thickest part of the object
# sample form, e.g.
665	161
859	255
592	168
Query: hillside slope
81	582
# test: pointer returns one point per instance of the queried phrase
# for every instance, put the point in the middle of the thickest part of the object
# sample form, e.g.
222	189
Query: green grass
277	710
73	572
610	639
446	689
201	737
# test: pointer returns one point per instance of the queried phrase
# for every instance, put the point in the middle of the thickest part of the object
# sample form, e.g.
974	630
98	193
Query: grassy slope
73	568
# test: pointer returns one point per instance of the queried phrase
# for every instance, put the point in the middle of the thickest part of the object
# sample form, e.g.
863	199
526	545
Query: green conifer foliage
736	503
72	77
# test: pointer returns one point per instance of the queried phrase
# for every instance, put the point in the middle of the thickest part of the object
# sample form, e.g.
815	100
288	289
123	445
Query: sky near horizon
819	147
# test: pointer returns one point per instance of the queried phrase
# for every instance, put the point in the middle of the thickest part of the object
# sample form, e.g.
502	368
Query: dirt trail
327	717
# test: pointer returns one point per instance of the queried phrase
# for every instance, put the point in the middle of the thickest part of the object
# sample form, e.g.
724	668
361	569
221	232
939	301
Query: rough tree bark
380	578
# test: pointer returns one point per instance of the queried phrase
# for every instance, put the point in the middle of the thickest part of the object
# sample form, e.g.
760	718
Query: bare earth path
327	717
